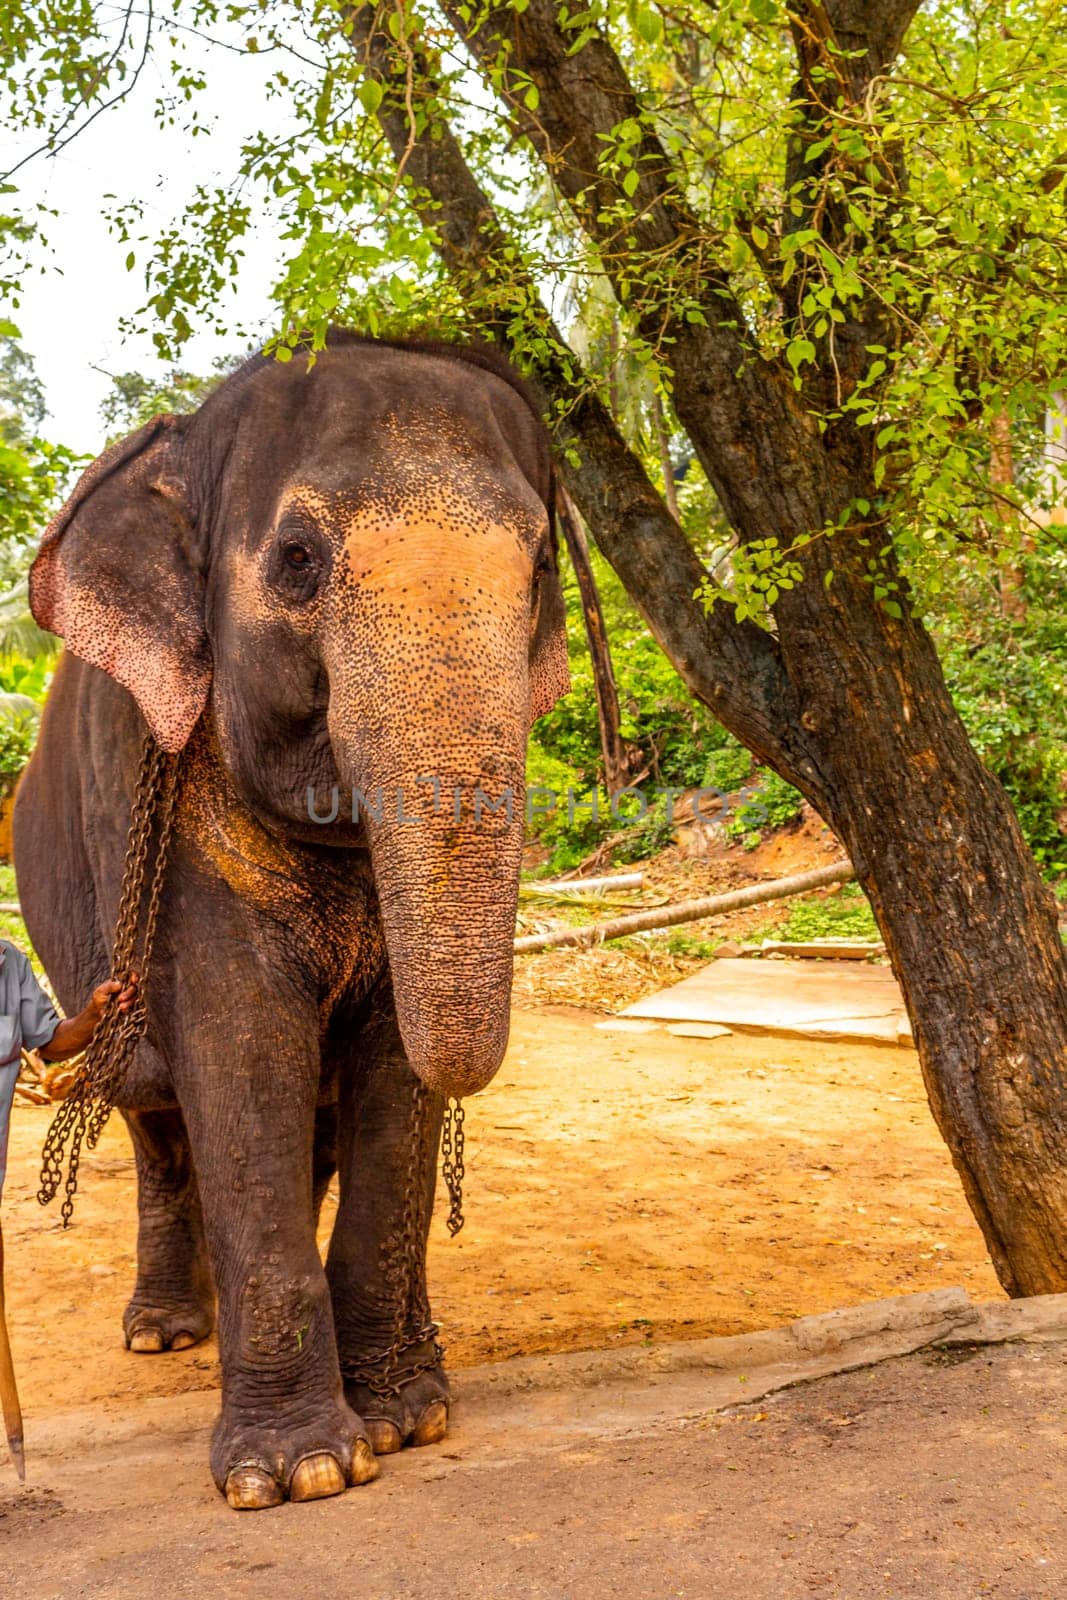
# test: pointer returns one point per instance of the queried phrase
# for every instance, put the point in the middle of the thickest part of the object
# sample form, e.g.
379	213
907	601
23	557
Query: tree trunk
1002	476
970	927
613	746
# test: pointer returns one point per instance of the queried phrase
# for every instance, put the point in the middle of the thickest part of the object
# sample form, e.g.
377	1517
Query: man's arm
75	1033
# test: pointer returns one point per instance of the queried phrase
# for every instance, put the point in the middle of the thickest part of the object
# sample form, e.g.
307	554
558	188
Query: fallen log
691	910
619	880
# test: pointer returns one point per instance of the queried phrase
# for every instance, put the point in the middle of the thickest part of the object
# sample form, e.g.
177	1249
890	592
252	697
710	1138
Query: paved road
937	1476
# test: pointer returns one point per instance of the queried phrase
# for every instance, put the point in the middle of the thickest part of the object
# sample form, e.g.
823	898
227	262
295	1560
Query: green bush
728	768
648	837
570	837
846	915
27	675
18	735
770	803
1012	695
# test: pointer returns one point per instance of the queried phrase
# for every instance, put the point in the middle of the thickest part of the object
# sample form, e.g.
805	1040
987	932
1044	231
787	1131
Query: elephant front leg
285	1429
172	1303
377	1261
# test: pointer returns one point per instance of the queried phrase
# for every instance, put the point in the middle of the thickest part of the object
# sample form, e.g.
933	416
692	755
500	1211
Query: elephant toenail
316	1477
147	1341
183	1341
432	1425
364	1467
384	1435
250	1488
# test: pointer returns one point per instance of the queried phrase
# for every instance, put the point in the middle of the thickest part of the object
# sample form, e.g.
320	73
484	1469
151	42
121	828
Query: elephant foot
416	1415
257	1466
149	1329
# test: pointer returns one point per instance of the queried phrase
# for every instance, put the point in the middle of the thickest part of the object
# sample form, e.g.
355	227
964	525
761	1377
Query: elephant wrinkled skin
335	579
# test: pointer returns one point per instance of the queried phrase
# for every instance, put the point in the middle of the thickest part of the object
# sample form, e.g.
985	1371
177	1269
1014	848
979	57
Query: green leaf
370	95
630	181
649	25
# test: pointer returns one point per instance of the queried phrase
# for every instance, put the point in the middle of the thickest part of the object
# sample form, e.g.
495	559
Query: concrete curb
556	1397
811	1347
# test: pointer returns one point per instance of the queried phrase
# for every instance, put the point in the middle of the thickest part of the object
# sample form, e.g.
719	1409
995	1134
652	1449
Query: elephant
338	577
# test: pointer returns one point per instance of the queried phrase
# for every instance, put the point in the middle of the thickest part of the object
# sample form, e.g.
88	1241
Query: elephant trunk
429	719
444	820
448	891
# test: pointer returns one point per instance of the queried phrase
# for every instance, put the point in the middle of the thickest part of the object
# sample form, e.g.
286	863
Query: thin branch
51	147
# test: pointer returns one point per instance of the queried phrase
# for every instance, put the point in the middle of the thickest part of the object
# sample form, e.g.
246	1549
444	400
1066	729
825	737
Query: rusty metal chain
402	1263
83	1115
452	1168
381	1372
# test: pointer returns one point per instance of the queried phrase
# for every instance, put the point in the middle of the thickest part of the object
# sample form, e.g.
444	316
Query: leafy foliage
844	915
937	203
768	804
18	734
135	399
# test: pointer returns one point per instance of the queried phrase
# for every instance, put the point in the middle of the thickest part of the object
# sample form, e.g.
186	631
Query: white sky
69	316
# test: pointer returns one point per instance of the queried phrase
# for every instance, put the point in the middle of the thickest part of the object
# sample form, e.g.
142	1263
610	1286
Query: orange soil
621	1188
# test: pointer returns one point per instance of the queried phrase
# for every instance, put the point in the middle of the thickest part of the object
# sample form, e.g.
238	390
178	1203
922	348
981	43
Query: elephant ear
116	577
550	677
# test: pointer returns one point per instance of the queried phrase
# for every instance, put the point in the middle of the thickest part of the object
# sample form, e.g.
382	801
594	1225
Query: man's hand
103	992
75	1034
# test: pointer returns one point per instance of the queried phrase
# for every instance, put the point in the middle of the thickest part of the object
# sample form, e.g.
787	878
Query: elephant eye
297	563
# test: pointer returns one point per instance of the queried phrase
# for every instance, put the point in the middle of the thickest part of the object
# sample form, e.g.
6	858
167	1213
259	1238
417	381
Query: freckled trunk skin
970	926
429	722
448	907
447	895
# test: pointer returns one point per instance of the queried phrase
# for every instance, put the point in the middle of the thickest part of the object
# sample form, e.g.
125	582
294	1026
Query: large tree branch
842	48
858	39
659	255
735	668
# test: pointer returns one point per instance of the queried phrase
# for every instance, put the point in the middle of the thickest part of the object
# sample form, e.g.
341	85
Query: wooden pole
9	1395
691	910
612	744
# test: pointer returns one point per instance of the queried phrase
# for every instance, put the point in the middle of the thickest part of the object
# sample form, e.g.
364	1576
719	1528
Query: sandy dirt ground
940	1476
621	1188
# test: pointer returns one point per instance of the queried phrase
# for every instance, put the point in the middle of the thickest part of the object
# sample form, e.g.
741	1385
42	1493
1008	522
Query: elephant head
347	568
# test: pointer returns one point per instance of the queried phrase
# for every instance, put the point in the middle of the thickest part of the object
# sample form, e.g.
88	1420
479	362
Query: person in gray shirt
29	1020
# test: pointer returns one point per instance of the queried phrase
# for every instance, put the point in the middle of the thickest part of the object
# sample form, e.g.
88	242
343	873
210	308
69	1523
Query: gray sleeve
38	1017
7	1093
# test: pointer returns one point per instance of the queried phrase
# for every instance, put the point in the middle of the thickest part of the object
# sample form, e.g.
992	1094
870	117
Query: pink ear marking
113	578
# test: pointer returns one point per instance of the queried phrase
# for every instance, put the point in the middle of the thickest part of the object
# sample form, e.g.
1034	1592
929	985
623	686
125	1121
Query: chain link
82	1117
452	1169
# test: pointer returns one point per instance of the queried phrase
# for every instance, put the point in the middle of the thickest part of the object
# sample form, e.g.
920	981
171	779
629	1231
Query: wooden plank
823	949
824	1000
